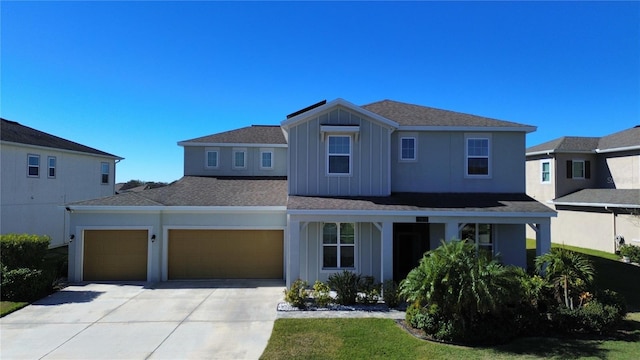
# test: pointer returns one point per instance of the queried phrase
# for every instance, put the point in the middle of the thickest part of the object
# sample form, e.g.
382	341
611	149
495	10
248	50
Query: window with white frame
266	159
339	155
478	160
239	159
104	172
338	246
545	168
212	159
407	148
481	235
33	165
51	164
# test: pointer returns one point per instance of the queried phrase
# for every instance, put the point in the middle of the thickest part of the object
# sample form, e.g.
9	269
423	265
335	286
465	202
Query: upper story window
407	148
578	169
104	173
338	245
481	235
266	159
545	168
478	160
33	165
51	164
339	155
239	159
212	159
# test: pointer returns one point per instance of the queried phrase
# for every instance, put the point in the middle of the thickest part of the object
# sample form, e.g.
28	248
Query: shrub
297	295
391	293
346	284
23	250
612	298
24	284
632	251
321	294
592	318
369	290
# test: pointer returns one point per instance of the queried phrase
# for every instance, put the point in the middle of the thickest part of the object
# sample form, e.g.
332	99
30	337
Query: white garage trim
165	240
79	247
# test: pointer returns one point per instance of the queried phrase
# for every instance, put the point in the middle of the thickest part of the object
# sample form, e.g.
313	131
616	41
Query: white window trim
573	172
477	136
29	166
415	148
476	243
233	158
338	245
102	173
542	162
54	167
266	151
350	155
206	159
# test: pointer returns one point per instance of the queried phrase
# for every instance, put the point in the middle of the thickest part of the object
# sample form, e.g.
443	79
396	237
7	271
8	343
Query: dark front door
410	242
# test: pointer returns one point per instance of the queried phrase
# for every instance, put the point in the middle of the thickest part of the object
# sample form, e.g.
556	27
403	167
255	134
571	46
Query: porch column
386	250
293	252
451	231
543	237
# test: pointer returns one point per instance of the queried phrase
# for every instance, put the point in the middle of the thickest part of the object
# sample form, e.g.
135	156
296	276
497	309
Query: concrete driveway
222	319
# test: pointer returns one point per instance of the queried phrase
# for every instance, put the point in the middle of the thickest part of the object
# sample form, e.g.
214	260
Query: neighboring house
594	185
41	173
335	187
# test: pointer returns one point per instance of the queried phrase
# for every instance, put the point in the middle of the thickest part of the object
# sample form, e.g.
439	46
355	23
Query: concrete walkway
172	320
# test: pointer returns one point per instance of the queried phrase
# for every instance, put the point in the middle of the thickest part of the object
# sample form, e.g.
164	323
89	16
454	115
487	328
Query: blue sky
134	78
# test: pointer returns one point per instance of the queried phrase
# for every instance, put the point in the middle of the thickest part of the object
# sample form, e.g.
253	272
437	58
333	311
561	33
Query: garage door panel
115	255
213	254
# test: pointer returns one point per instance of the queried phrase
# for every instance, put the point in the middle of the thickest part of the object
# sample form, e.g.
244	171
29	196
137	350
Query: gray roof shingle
567	144
12	131
621	139
254	134
204	191
598	197
417	115
467	202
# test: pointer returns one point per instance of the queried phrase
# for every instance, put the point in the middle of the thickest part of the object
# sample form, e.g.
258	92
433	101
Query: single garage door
115	255
225	254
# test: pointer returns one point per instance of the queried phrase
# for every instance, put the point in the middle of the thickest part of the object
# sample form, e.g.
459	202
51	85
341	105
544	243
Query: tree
568	271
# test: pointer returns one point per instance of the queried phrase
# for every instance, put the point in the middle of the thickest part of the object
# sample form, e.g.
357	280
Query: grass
384	339
7	307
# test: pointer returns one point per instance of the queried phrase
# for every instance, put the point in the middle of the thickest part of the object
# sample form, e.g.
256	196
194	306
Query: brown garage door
225	254
115	255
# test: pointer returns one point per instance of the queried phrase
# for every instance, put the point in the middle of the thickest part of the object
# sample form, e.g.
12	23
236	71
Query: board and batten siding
369	162
440	163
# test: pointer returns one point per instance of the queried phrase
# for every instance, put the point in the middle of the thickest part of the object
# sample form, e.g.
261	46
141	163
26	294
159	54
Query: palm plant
566	270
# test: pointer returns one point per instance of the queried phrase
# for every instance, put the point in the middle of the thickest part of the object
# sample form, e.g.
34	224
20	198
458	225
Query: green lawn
384	339
7	307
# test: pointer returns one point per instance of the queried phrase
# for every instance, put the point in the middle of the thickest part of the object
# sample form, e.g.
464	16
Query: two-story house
41	173
594	185
336	186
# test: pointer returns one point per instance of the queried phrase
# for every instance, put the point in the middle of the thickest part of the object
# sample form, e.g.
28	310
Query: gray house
594	185
336	186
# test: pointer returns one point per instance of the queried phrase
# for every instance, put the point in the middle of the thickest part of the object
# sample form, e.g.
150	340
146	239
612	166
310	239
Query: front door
410	242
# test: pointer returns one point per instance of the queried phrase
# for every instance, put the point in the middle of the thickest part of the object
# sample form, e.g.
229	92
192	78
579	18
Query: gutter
602	205
625	148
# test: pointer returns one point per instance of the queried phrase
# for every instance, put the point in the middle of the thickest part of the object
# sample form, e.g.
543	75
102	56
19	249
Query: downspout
613	213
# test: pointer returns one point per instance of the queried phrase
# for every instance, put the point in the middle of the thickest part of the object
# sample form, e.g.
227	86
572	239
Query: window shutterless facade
478	160
51	165
338	246
104	173
408	148
479	234
266	159
33	165
339	155
545	168
212	159
239	159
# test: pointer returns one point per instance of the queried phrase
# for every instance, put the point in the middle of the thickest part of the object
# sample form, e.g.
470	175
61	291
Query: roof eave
526	129
618	149
519	214
169	208
595	204
195	143
106	155
288	123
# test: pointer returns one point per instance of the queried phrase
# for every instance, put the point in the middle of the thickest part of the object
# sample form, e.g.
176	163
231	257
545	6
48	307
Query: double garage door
192	254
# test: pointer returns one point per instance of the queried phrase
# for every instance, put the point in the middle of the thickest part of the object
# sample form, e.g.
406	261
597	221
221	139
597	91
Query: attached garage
115	255
225	254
